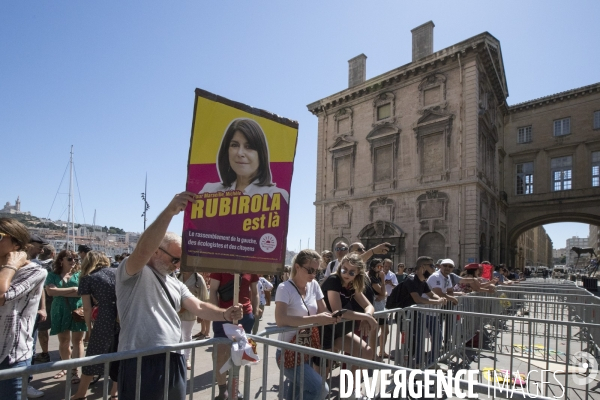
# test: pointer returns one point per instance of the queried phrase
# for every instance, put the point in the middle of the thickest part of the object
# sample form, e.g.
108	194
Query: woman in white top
299	301
243	162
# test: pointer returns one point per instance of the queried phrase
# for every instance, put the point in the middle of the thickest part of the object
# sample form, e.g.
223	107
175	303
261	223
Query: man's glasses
174	260
2	235
342	248
311	271
351	273
361	249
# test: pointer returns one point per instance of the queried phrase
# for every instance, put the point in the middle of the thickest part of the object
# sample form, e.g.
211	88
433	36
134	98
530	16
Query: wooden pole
235	379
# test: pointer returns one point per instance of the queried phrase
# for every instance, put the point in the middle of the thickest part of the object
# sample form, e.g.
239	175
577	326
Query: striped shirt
17	315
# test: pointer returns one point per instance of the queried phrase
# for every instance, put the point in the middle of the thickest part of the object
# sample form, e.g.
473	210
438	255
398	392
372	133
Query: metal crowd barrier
538	325
334	360
106	359
472	336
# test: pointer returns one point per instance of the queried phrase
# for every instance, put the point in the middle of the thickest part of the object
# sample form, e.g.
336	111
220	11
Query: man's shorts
247	322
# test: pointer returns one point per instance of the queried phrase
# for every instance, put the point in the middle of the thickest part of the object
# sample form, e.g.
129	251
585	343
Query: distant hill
35	222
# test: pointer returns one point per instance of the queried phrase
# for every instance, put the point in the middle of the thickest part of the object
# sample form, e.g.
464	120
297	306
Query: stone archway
520	225
432	244
384	231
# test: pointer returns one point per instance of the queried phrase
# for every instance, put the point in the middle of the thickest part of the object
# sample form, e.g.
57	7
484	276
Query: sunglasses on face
341	248
346	272
72	259
2	235
361	249
447	266
174	260
311	271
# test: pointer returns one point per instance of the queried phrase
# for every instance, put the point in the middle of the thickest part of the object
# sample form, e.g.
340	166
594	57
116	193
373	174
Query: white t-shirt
437	280
331	268
287	293
390	276
263	285
147	317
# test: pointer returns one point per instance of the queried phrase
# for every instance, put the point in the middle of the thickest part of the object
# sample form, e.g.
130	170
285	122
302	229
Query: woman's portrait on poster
243	162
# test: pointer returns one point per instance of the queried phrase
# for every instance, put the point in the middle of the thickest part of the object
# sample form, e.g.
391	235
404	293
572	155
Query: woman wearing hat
474	270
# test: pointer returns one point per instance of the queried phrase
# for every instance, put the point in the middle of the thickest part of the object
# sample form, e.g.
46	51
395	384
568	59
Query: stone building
594	239
419	156
16	209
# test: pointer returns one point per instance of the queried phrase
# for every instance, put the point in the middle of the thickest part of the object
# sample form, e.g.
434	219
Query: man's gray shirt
146	315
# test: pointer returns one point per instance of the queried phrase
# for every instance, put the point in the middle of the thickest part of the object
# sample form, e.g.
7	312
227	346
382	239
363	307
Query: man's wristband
9	267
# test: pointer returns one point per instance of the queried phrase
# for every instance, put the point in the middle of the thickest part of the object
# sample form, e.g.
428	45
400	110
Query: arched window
433	245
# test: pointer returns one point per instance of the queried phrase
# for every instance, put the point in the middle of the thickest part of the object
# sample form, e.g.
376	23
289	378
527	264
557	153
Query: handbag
226	291
76	314
309	337
95	310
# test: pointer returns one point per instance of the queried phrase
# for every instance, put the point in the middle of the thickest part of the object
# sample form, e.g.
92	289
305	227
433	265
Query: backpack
393	300
330	266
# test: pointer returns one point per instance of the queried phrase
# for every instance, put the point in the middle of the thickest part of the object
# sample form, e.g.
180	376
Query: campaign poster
241	162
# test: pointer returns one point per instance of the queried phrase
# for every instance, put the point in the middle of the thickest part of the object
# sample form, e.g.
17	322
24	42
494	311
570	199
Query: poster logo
268	243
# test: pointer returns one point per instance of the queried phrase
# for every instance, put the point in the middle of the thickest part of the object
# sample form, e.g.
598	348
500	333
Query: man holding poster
149	300
240	164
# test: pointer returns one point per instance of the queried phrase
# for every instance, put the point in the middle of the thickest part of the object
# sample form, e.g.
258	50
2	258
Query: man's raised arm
151	238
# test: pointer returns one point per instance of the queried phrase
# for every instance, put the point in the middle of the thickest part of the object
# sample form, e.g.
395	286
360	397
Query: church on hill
16	209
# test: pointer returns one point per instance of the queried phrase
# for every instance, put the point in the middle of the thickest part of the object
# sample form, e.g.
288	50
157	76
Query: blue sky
116	80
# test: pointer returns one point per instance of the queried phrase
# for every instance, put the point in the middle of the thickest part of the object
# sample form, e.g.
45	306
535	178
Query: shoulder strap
301	298
164	286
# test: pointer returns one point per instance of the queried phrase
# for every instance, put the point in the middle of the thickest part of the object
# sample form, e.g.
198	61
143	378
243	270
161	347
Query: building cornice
554	98
484	44
420	188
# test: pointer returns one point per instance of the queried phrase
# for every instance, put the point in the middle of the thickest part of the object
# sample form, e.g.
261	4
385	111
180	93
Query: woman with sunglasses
299	301
98	283
341	290
63	284
21	287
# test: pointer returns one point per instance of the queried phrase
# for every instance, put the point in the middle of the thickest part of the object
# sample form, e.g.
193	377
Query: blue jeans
432	322
10	389
313	386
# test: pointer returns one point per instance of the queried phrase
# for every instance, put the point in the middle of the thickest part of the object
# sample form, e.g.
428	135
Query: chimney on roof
422	41
357	70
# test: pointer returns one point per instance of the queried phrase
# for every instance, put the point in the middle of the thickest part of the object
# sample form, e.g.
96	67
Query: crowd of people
140	301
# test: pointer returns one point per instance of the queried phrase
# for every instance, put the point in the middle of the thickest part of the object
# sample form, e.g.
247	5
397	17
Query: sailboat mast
70	222
145	199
